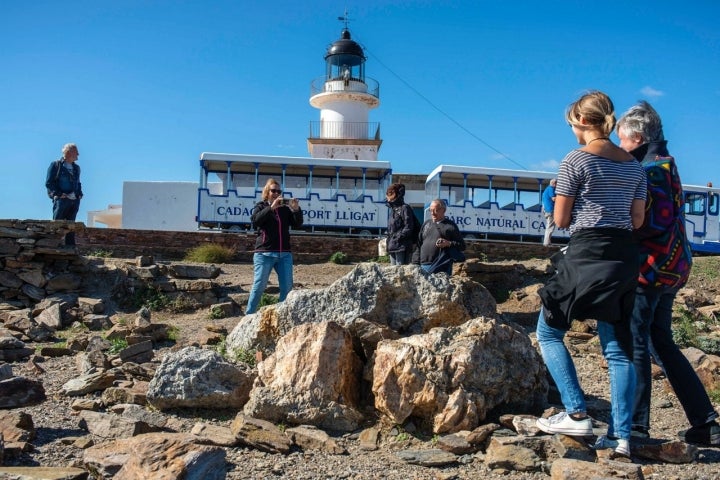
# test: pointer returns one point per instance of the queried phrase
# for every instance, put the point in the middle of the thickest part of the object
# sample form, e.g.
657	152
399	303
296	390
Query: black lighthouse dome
345	58
347	50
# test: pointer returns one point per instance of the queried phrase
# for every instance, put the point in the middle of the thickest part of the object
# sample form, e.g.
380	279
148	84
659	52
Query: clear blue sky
144	86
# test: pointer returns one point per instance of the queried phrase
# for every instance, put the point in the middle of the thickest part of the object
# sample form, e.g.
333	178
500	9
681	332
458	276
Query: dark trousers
66	209
651	327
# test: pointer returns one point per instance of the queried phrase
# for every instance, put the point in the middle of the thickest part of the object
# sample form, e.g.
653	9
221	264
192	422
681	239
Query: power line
442	112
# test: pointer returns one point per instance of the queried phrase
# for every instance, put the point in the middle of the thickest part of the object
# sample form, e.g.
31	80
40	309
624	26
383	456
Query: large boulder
156	455
193	377
404	298
312	378
450	378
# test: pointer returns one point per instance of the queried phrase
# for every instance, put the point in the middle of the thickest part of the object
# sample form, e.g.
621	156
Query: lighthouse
345	97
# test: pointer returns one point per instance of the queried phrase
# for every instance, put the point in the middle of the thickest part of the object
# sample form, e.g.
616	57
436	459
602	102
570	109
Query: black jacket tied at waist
595	278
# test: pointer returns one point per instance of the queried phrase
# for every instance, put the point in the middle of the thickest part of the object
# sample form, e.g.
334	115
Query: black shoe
708	434
639	432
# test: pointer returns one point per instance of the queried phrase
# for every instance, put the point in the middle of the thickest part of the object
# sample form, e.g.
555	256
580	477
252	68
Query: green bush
245	356
182	304
709	345
216	312
173	333
150	297
339	257
381	259
688	331
221	347
685	332
117	345
714	395
268	300
210	253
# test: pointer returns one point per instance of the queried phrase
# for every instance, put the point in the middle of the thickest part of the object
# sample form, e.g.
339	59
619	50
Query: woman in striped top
600	198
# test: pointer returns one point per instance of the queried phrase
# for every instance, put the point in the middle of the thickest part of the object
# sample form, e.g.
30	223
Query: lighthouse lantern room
344	96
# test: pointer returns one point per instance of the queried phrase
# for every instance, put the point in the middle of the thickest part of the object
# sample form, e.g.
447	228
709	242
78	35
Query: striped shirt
603	190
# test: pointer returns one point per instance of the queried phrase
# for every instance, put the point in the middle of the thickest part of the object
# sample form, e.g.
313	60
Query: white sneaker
565	424
620	446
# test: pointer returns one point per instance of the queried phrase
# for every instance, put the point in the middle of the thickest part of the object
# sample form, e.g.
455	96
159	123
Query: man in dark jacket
400	239
437	234
64	187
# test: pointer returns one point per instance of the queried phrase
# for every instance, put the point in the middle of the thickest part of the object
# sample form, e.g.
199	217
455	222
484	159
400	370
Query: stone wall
28	238
163	245
34	263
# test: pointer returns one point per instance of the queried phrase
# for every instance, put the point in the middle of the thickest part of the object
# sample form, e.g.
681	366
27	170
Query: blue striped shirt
603	190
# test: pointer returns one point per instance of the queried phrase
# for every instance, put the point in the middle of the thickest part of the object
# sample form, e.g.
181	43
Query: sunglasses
273	190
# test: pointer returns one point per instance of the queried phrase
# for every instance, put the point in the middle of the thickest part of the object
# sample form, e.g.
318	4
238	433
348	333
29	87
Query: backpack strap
58	166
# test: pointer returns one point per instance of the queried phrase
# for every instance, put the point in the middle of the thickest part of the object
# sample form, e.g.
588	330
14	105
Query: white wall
161	205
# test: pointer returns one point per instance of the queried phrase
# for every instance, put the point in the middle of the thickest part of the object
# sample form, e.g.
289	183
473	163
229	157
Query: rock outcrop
450	378
405	299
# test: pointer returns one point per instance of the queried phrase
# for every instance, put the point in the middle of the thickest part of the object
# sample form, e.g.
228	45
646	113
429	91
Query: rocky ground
55	421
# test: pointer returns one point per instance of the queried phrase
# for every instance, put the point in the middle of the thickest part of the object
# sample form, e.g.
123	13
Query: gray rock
51	317
512	457
9	279
427	458
310	438
193	377
88	383
403	298
21	392
214	435
63	282
107	425
186	270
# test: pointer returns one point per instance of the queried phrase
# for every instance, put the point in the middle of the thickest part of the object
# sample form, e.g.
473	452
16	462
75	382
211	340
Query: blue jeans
398	258
263	264
562	369
651	327
447	270
66	209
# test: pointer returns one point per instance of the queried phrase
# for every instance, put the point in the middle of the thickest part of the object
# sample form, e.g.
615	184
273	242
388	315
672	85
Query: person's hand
277	203
294	204
442	243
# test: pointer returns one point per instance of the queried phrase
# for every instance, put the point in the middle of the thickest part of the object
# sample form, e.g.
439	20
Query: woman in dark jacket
273	217
665	263
400	239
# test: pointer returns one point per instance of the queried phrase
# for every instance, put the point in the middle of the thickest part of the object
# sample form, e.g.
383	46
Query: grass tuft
210	253
339	257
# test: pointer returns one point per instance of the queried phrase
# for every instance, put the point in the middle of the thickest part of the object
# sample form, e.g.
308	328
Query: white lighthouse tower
344	96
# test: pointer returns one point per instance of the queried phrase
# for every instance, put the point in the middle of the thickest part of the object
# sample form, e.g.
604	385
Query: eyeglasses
273	190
